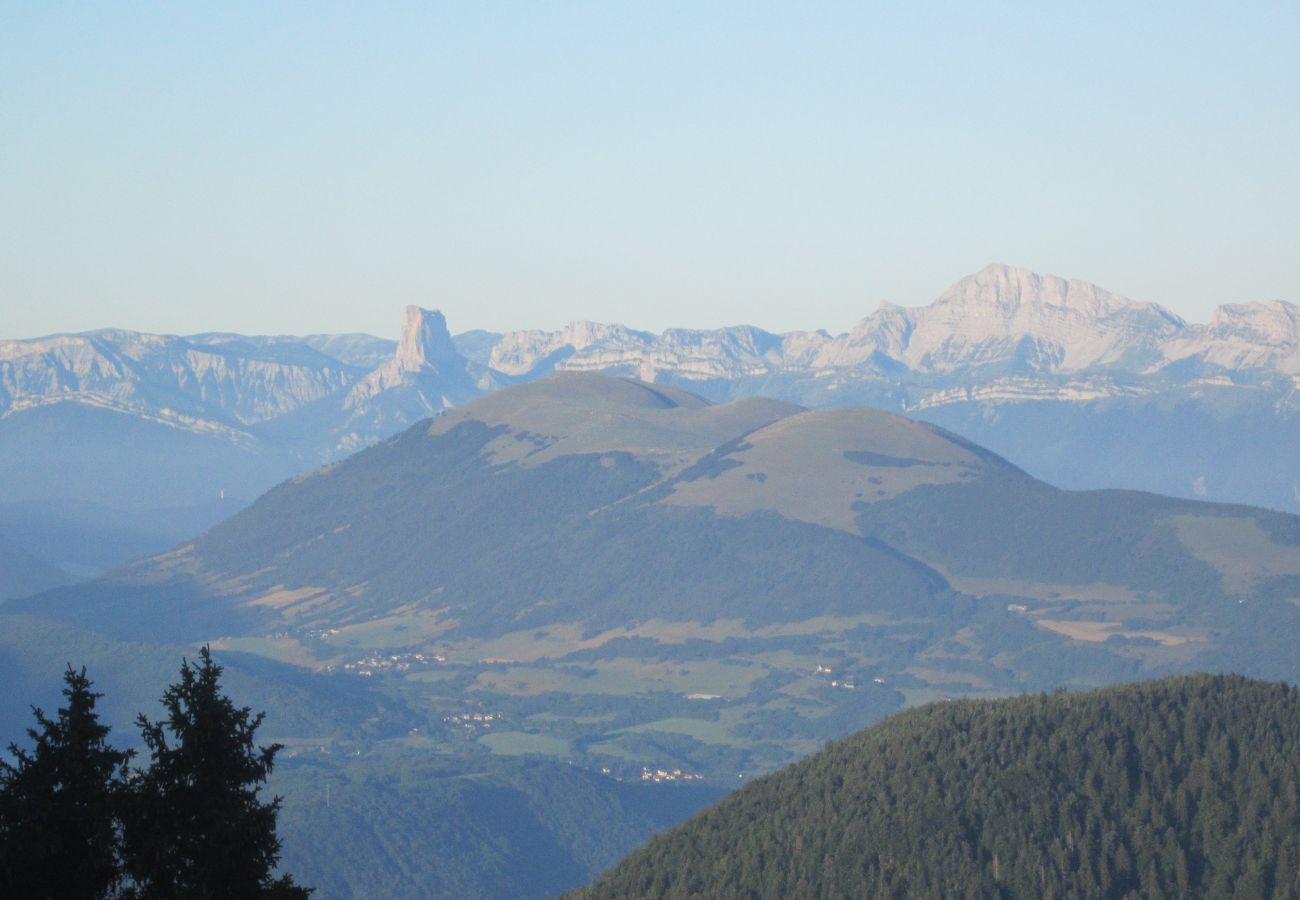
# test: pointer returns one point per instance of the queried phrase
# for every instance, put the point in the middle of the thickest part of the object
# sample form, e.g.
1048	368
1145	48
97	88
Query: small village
473	723
844	683
659	776
367	666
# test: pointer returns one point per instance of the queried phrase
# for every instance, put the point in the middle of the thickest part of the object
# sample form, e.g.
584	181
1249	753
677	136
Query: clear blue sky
277	167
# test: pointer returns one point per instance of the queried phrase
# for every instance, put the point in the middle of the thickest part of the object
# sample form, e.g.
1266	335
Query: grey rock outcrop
425	375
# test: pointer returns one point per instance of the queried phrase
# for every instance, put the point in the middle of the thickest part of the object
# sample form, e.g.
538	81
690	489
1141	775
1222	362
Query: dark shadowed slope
1183	787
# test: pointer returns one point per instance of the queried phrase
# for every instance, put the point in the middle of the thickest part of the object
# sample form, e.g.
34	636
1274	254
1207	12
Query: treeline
1187	787
79	820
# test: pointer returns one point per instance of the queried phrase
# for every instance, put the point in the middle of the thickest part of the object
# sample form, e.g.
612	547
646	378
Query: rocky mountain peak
1246	336
427	367
1017	292
582	334
425	340
1005	316
1006	286
1276	323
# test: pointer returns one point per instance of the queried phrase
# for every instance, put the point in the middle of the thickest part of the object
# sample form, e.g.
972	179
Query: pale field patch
703	730
1096	591
939	676
560	640
432	676
281	597
1095	632
788	661
625	677
776	460
913	696
614	747
578	413
285	650
1238	547
921	696
551	718
519	743
391	631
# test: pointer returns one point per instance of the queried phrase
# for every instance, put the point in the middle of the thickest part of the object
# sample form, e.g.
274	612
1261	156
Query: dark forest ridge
1182	787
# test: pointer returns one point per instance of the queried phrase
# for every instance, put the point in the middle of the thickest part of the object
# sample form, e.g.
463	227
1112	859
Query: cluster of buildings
473	722
658	776
846	684
397	662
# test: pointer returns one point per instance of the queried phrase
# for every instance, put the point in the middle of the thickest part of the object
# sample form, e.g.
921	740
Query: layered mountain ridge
214	383
999	318
1028	365
137	422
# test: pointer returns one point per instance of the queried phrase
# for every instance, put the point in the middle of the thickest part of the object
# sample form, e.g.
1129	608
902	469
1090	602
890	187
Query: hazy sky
314	167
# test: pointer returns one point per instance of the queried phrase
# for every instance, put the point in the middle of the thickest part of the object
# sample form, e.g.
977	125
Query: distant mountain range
1000	322
1081	387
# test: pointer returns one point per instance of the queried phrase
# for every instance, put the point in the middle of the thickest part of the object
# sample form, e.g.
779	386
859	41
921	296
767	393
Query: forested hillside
1183	787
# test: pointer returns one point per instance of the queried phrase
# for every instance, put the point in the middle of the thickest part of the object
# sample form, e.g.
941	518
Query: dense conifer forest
1185	787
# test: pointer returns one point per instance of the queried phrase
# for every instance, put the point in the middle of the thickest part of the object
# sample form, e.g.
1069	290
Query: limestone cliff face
234	386
206	383
426	361
1000	334
537	352
1011	317
425	376
1000	322
1245	336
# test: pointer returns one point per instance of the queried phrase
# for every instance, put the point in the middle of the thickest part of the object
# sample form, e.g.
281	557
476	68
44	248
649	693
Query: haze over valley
674	451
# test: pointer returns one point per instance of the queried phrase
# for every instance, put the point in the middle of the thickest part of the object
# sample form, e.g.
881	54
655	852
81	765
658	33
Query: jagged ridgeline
1186	787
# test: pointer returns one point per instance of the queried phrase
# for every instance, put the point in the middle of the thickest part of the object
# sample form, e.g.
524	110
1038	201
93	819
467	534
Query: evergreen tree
193	823
57	825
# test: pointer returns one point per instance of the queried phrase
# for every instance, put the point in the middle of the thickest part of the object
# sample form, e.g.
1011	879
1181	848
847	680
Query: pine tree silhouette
194	825
58	836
